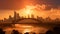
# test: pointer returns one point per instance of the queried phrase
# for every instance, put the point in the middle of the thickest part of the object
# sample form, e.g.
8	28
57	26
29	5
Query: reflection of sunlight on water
18	25
24	28
27	28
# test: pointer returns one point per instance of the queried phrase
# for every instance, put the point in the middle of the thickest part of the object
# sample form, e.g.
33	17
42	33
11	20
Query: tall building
5	20
28	16
32	16
48	19
40	19
17	16
10	17
1	21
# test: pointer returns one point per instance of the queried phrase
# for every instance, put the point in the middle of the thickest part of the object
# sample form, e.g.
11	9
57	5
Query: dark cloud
50	3
17	4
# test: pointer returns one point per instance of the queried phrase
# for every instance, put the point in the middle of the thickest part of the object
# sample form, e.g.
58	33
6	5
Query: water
25	28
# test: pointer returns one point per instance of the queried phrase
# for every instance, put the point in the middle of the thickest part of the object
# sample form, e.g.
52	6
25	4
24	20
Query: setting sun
29	16
29	10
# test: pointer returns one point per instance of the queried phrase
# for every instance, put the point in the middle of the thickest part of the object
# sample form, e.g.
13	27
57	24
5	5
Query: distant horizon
21	15
41	8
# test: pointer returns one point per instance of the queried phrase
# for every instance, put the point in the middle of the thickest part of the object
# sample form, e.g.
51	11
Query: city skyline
41	8
30	16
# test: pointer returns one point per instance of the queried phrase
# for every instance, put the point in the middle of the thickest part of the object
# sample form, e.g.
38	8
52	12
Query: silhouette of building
17	16
32	16
57	21
48	20
1	21
28	16
5	20
40	19
10	19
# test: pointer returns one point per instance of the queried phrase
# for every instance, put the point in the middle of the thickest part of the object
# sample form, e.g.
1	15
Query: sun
29	10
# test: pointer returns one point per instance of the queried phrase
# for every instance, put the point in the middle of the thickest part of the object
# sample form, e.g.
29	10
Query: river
25	28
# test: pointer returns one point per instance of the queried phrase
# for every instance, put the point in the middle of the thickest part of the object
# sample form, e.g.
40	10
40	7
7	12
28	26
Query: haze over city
41	8
29	16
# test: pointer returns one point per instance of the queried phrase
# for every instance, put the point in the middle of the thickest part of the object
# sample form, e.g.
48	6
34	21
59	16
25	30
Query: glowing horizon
41	8
37	10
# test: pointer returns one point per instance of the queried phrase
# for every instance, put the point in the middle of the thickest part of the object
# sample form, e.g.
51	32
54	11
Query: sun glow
29	10
27	30
18	25
38	10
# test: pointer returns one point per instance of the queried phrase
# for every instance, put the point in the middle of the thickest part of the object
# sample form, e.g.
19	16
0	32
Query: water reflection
26	28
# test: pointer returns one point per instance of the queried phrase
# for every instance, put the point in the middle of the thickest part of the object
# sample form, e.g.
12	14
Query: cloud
50	3
18	4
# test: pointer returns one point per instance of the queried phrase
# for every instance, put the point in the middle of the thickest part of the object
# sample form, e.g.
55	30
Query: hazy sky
7	6
16	4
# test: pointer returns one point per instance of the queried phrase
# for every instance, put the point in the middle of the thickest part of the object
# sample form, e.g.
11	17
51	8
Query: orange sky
36	11
42	8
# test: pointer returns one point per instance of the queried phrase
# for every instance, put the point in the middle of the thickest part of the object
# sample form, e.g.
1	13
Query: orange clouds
42	8
39	11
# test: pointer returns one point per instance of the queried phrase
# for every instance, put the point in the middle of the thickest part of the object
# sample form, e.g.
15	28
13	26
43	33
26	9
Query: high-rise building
28	16
5	20
1	21
14	17
17	16
48	19
40	18
32	16
10	17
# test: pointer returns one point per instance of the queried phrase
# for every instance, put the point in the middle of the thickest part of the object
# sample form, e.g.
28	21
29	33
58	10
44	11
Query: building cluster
16	17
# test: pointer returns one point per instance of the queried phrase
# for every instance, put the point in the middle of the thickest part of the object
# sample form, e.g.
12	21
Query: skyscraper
15	15
32	16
